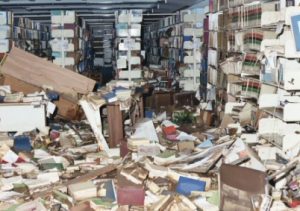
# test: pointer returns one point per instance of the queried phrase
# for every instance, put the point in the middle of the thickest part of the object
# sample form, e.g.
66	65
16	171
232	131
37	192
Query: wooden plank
115	125
17	85
39	72
68	108
162	99
141	107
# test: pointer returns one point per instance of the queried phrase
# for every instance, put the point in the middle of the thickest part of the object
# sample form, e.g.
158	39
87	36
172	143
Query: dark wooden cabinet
116	119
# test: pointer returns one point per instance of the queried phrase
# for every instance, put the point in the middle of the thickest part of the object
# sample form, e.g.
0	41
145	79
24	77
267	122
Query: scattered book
110	97
83	190
134	143
186	185
101	204
131	196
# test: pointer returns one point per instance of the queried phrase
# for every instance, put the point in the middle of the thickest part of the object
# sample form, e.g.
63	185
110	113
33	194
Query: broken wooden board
68	108
39	72
85	177
17	85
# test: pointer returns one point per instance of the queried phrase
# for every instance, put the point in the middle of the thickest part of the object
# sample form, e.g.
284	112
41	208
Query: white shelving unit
191	75
128	33
6	23
64	40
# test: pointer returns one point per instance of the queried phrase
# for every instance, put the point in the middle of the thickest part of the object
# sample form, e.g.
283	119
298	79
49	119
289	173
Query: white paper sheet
145	130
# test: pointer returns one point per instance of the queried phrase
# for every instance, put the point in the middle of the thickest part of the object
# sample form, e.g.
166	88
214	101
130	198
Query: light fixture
166	1
158	6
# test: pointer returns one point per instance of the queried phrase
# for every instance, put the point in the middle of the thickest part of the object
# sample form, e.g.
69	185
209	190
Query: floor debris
167	162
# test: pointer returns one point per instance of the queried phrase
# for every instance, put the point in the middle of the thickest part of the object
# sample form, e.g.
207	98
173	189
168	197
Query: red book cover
169	130
129	195
211	6
123	148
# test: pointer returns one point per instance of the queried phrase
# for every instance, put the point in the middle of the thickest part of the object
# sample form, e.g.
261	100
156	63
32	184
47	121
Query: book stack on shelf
171	42
279	95
6	22
107	45
280	78
261	63
235	39
128	43
32	36
65	41
151	46
102	43
97	42
164	43
216	47
212	32
175	43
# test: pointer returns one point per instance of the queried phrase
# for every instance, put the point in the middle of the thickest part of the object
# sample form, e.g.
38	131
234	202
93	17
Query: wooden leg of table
115	125
141	108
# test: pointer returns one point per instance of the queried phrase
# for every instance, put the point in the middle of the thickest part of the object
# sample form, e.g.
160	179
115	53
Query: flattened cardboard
238	184
21	64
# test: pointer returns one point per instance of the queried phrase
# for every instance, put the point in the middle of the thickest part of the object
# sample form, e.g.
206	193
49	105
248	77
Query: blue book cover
119	88
206	144
186	185
22	143
187	38
110	190
57	54
52	95
121	26
295	22
110	96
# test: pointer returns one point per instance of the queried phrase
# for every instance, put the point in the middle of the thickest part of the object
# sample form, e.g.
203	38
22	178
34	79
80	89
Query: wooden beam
115	124
85	177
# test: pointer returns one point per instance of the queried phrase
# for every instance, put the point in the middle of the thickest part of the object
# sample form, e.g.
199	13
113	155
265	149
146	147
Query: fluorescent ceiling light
103	2
87	6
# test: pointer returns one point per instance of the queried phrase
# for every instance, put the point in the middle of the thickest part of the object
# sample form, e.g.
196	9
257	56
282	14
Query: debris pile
163	162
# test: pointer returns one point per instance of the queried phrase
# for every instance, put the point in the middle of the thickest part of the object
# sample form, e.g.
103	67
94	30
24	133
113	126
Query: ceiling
95	12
